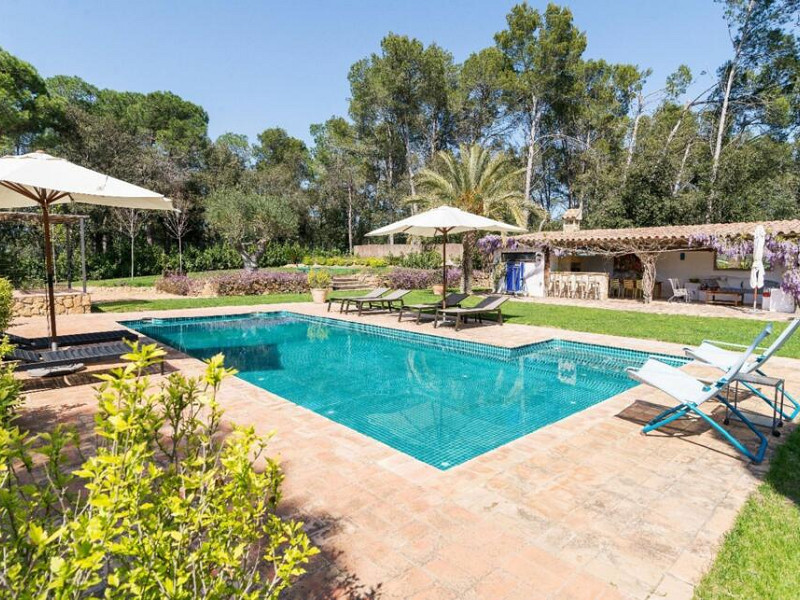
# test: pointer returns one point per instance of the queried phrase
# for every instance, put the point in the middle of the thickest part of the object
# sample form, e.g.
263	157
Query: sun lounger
389	301
488	306
376	293
78	339
692	393
710	353
450	301
78	356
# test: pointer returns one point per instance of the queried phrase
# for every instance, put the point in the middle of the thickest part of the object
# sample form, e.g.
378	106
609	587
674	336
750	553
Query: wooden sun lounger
488	306
389	301
376	293
77	339
450	301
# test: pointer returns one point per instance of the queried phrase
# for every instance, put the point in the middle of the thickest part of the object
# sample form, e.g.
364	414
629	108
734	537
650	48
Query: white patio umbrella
757	270
445	220
38	179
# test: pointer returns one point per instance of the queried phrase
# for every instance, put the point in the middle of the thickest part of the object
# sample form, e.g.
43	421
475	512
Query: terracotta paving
586	508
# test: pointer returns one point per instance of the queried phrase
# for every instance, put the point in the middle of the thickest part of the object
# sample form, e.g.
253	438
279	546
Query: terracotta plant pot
319	296
437	289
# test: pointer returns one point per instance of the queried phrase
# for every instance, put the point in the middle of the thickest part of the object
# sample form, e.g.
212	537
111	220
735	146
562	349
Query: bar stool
583	286
552	286
573	286
594	288
614	288
628	288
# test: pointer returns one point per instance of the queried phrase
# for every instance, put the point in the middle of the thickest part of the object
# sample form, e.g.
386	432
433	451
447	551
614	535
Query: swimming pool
439	400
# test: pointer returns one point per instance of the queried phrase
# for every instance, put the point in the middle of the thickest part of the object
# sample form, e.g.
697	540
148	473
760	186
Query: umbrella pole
444	268
50	276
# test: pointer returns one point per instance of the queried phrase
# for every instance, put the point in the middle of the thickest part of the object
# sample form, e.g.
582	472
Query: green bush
429	259
6	303
344	261
10	390
319	279
168	506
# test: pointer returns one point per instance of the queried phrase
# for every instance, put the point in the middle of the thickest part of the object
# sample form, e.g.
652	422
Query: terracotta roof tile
669	235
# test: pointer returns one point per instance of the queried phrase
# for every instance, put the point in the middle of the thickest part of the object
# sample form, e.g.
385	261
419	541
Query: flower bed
256	283
180	285
418	279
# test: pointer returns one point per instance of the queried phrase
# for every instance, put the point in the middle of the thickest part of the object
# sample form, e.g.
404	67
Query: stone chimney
572	219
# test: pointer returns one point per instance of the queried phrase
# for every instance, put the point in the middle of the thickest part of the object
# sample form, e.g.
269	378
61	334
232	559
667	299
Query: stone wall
67	303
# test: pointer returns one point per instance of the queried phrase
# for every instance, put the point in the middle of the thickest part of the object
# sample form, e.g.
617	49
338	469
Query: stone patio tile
544	572
672	588
583	586
435	593
449	574
413	581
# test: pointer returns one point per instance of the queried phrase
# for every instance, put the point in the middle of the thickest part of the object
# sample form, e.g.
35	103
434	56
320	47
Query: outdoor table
779	395
735	297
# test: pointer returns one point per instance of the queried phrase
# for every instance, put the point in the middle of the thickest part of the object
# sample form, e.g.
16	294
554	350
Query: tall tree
339	171
24	102
543	56
478	181
250	221
479	108
762	47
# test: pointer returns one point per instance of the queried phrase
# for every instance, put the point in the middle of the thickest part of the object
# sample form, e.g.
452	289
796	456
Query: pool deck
586	508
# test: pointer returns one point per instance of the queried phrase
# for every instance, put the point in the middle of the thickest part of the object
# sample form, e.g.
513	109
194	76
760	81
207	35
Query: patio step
347	283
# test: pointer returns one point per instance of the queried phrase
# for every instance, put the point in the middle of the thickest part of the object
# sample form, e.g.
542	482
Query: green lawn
760	555
149	280
191	302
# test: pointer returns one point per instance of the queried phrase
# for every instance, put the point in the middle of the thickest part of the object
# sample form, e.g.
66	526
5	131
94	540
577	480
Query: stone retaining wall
67	303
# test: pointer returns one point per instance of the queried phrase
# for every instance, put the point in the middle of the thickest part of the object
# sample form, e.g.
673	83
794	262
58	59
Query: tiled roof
668	236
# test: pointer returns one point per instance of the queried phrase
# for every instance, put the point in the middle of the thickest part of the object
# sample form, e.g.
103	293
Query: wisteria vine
778	251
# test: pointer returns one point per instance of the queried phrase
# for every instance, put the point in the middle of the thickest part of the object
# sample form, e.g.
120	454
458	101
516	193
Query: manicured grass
149	280
679	329
760	555
666	328
179	303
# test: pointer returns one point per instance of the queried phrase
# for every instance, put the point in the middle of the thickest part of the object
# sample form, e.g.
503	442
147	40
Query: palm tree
478	181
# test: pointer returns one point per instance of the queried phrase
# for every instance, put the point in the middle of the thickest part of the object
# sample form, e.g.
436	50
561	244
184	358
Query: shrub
319	279
344	261
169	507
418	279
6	303
212	258
178	284
245	283
428	259
10	398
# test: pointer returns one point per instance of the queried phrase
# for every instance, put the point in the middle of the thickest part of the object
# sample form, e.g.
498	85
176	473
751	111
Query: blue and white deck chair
721	358
692	393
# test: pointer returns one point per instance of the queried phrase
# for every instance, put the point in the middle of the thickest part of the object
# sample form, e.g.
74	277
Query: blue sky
257	64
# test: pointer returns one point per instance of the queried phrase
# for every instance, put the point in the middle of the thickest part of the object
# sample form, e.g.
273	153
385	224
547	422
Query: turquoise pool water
440	401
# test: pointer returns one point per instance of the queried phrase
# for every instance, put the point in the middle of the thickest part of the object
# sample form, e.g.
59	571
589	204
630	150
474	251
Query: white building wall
680	265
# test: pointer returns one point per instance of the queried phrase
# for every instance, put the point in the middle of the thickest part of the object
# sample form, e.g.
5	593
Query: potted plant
319	281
